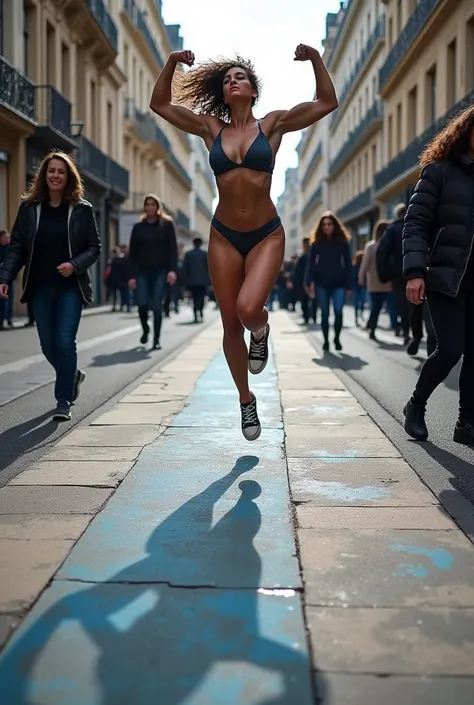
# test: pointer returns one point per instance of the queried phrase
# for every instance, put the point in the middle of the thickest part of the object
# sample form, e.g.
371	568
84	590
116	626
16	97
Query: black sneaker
326	345
464	433
145	334
62	411
251	428
156	345
415	424
337	344
413	346
258	352
79	379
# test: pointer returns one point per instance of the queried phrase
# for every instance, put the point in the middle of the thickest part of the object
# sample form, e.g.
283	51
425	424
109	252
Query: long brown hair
379	229
453	141
74	189
340	233
202	89
160	213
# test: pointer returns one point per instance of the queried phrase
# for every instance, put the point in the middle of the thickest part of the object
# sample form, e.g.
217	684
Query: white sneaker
251	427
258	352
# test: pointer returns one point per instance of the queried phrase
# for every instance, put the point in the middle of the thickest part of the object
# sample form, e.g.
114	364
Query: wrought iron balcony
407	160
178	166
207	211
362	202
419	17
346	4
314	160
101	169
313	201
375	38
17	92
137	19
105	21
371	118
53	115
182	219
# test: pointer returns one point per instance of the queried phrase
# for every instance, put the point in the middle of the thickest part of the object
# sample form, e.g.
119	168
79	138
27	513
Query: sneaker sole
253	438
61	417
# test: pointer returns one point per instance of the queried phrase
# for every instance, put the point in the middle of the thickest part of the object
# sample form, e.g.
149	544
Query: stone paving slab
127	644
98	473
43	528
315	517
426	641
300	443
89	436
343	689
93	453
361	482
321	429
136	414
387	568
25	567
301	397
320	380
8	623
52	500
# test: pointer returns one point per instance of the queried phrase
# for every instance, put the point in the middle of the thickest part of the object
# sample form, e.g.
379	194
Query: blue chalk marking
415	571
440	558
346	493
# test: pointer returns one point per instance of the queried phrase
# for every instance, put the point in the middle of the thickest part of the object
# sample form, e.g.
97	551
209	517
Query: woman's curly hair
340	235
201	88
453	141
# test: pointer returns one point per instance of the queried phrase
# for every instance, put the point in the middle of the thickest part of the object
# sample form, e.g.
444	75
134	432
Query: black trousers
453	323
411	316
198	293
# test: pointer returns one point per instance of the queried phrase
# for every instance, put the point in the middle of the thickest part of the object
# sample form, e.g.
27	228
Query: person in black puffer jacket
438	259
329	272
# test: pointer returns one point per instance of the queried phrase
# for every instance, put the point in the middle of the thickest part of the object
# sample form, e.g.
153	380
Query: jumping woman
247	241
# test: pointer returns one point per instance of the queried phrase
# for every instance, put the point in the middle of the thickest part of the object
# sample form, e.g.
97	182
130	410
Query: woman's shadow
155	642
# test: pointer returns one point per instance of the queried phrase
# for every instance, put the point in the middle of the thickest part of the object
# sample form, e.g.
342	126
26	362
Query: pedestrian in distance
6	305
329	272
152	260
246	247
195	273
55	238
438	261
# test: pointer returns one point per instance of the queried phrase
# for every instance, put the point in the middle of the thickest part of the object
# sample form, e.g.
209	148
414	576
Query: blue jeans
338	297
377	300
358	299
150	294
57	313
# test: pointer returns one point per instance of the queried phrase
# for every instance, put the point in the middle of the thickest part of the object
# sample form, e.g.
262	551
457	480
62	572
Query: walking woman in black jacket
329	272
438	260
153	261
55	238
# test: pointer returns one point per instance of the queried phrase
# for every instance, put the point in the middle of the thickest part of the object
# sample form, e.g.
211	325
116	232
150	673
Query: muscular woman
215	101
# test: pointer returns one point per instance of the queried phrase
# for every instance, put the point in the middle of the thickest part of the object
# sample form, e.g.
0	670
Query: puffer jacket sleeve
91	254
420	222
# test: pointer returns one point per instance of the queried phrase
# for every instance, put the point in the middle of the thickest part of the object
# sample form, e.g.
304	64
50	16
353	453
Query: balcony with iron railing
375	40
137	19
358	205
181	170
17	92
373	117
105	21
346	6
407	160
100	168
182	219
409	35
316	198
203	207
53	117
318	153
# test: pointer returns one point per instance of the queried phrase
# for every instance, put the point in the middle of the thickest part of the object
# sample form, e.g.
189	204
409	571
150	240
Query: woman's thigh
262	265
227	273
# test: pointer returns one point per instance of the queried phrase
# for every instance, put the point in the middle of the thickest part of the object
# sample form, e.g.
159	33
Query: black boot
415	424
143	315
464	433
157	321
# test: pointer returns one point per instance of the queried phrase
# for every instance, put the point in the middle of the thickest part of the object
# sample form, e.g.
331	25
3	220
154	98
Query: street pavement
109	353
152	555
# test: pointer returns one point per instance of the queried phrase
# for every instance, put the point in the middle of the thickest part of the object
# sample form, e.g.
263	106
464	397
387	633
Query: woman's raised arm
178	115
306	114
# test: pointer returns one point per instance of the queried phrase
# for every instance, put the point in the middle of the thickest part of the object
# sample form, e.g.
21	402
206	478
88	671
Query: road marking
26	362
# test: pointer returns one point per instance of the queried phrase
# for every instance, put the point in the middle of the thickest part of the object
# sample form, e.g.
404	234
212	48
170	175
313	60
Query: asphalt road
384	372
110	355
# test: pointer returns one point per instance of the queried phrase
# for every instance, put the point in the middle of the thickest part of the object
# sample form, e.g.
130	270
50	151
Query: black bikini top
259	156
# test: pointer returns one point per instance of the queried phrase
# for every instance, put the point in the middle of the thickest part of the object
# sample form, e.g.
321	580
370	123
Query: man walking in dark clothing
308	306
196	277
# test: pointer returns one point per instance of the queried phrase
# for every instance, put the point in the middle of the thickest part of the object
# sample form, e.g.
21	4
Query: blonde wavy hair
161	213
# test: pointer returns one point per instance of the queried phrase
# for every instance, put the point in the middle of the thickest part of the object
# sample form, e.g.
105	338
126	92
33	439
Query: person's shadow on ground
157	642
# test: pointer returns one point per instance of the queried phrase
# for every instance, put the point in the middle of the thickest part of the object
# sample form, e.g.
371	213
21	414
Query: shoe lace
257	348
249	415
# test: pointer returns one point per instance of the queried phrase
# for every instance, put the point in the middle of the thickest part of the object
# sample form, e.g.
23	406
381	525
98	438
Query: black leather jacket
438	237
84	245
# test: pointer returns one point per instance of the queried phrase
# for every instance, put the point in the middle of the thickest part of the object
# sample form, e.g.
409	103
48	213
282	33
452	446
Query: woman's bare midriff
244	199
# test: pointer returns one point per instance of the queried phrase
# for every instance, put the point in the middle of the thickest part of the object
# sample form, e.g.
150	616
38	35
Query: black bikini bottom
246	241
